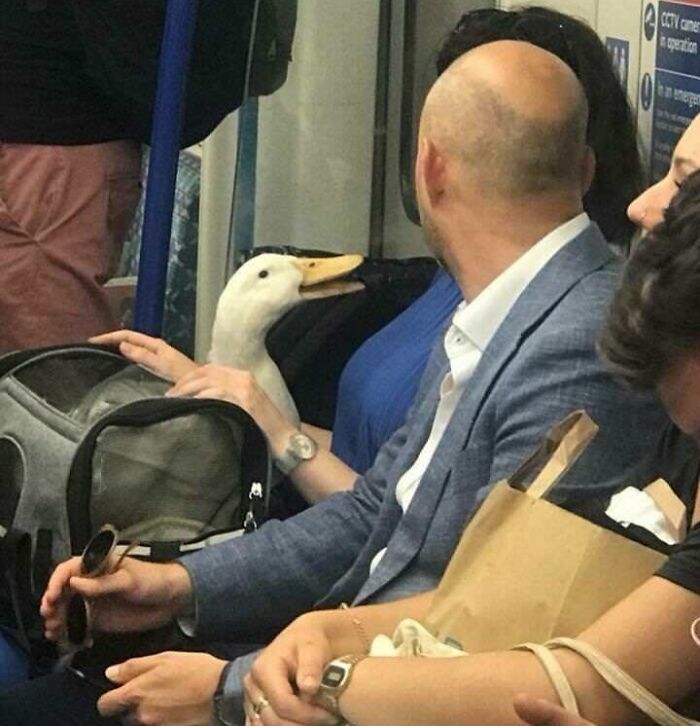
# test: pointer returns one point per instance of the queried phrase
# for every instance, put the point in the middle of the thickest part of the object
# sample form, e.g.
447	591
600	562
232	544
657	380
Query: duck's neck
240	343
236	345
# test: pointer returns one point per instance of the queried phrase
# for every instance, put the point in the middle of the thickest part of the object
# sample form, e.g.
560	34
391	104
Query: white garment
472	328
412	639
633	506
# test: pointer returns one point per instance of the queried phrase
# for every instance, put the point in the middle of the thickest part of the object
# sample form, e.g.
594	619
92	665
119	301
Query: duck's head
269	285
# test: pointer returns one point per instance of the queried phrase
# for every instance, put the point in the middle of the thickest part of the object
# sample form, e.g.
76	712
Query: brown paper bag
526	570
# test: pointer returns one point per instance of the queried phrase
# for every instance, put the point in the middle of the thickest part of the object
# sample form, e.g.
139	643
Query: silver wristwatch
300	447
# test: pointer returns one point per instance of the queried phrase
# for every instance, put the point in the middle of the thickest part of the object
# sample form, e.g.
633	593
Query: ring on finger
259	705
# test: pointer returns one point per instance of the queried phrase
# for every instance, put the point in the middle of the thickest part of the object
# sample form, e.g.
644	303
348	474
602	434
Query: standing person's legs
64	213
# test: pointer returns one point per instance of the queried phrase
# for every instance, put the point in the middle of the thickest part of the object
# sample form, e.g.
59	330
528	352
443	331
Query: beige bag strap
556	674
624	684
558	453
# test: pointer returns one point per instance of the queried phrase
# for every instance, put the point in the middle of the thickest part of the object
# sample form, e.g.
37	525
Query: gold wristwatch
336	678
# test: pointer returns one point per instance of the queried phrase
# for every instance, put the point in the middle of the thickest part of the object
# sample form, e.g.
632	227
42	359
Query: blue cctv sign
679	36
675	92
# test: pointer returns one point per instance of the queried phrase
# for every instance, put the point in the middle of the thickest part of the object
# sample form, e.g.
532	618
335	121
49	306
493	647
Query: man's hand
538	712
168	689
153	353
138	596
287	674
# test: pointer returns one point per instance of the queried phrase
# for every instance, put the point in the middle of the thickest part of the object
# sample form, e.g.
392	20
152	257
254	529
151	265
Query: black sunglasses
527	25
95	561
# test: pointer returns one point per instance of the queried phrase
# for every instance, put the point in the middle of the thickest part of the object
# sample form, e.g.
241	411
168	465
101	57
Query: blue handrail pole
175	55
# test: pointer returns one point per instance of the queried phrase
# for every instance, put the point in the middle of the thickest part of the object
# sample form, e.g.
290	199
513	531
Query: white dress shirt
472	328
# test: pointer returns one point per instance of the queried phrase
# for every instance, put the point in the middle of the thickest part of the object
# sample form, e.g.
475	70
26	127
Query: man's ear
431	171
589	168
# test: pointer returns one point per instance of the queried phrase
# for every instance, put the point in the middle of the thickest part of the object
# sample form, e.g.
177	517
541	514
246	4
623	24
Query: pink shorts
64	213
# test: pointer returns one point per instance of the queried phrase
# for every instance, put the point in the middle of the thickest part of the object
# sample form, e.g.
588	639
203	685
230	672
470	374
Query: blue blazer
539	366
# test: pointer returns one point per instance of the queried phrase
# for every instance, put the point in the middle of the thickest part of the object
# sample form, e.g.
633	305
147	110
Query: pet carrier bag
87	438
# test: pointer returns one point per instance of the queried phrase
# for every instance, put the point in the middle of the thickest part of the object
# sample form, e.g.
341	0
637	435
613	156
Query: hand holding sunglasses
112	594
97	560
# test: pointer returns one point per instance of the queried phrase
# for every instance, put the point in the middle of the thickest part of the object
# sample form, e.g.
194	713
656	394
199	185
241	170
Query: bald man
501	170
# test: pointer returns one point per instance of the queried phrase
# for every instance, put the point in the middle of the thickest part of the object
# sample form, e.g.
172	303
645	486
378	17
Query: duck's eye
313	264
263	273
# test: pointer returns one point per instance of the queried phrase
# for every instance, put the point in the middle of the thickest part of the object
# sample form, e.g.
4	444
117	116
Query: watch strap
221	715
287	462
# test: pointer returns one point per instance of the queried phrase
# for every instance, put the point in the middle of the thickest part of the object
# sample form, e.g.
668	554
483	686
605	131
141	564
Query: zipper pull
250	523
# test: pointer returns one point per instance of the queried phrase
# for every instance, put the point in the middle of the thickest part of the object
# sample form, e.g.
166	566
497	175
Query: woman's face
647	210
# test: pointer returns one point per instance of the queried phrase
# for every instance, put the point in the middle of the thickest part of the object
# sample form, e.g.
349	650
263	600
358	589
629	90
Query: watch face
303	446
333	676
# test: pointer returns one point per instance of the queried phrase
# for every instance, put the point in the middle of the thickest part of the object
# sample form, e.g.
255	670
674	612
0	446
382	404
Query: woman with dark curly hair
611	128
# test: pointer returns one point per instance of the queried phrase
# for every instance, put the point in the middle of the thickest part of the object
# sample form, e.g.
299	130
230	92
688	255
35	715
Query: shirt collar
481	318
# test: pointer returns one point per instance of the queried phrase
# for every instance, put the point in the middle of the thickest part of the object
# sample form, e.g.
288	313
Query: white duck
259	293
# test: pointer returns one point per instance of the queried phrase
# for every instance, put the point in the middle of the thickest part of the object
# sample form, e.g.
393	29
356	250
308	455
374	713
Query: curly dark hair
611	129
654	319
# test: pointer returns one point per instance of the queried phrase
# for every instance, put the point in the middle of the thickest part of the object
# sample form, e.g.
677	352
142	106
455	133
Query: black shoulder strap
26	626
16	567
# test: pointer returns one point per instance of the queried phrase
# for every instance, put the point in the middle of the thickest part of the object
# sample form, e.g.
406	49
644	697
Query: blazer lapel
346	588
584	254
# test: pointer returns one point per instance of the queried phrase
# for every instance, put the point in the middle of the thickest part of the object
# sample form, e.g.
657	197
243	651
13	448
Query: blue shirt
380	381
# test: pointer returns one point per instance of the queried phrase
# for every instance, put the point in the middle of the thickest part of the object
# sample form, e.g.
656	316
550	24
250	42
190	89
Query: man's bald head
516	117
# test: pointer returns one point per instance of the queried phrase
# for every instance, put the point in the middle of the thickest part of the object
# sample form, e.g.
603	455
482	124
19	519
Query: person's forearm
322	476
316	479
473	689
325	474
470	690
